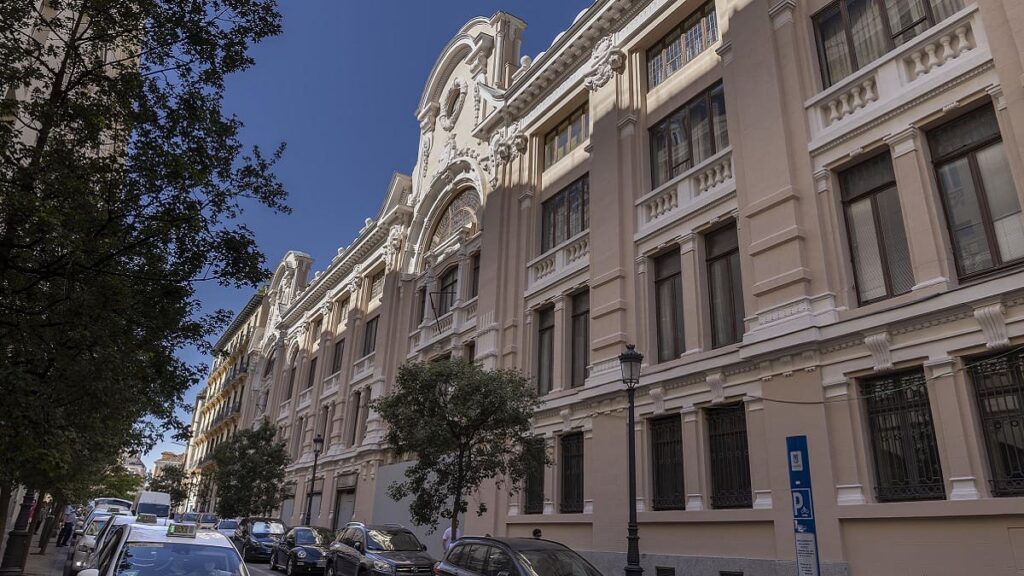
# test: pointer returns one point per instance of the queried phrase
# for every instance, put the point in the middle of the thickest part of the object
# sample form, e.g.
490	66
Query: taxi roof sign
146	518
181	530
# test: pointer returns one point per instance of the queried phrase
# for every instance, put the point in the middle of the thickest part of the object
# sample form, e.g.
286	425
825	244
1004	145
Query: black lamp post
630	361
318	445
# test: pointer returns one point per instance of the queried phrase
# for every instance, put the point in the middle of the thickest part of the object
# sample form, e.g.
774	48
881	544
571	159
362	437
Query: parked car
86	543
227	527
303	550
188	518
143	550
103	536
255	537
473	556
387	549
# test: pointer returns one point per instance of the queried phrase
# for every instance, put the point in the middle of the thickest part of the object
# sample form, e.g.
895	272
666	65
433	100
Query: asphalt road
261	569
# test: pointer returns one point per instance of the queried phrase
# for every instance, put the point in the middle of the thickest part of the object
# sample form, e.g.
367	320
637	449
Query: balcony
363	366
286	409
559	262
304	397
685	194
922	67
331	384
461	318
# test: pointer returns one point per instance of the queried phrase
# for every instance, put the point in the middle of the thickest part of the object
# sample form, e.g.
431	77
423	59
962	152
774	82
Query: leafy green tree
172	480
249	473
118	482
464	425
122	185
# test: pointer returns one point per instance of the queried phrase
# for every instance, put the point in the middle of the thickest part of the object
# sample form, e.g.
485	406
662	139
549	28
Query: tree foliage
464	425
117	482
122	184
249	473
174	481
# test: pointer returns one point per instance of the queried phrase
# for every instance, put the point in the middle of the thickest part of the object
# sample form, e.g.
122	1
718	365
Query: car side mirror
79	532
89	572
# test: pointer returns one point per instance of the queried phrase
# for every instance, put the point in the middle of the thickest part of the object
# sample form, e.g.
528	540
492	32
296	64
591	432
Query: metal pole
632	537
312	484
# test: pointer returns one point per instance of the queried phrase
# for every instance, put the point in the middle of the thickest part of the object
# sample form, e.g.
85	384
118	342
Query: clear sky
340	85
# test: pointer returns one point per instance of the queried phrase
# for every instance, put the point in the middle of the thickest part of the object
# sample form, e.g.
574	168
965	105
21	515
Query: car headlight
300	553
382	566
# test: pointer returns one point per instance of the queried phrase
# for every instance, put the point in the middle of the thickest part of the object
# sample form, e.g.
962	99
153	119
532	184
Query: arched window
459	212
447	290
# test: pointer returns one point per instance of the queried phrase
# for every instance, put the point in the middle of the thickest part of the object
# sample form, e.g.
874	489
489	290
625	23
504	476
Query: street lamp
630	361
318	445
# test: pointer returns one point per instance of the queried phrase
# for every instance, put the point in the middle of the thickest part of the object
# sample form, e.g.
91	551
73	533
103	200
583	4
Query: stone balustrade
331	383
560	261
948	45
285	410
685	192
363	366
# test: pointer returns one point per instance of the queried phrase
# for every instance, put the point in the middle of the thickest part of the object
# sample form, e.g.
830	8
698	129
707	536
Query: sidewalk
49	564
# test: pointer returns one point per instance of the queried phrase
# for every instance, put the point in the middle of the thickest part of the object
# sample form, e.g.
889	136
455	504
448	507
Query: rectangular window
336	357
906	456
567	136
982	209
343	316
533	488
689	135
545	349
469	351
695	35
999	391
853	33
572	474
447	291
291	381
565	214
724	285
315	331
474	281
377	284
874	225
580	337
370	336
728	457
312	374
421	305
667	462
668	305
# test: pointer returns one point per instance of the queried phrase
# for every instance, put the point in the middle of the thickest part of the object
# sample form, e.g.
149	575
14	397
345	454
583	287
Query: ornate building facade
807	216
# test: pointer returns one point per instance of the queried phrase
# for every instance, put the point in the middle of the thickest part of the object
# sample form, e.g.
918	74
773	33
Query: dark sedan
255	537
384	550
512	557
303	550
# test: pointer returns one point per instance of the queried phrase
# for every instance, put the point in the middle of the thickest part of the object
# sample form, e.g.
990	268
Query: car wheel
330	570
273	559
289	567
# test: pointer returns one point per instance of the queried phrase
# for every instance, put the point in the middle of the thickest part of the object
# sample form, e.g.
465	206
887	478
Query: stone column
560	358
338	425
757	447
646	338
693	315
364	400
845	469
922	214
950	418
693	459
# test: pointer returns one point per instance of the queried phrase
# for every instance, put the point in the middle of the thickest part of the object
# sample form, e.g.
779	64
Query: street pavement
260	569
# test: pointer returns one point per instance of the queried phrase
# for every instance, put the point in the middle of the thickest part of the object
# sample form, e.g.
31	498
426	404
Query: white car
172	550
102	537
208	521
86	543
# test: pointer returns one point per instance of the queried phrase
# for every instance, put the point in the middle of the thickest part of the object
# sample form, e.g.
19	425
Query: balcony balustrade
559	262
686	193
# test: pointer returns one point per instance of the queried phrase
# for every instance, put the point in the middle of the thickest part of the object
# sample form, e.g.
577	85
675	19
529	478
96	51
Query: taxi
172	550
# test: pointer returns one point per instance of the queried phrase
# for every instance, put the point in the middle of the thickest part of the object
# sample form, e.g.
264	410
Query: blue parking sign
803	507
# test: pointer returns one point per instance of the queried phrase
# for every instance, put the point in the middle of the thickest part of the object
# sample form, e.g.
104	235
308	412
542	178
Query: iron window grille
729	457
572	473
534	483
999	391
667	461
906	455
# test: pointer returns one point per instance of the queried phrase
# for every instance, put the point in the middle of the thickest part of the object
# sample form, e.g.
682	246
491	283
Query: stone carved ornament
605	61
393	246
451	106
506	145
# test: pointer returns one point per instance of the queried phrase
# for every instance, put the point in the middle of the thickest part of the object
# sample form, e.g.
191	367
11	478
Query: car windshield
177	559
555	562
159	510
392	540
317	536
265	528
227	524
96	526
103	502
189	517
208	518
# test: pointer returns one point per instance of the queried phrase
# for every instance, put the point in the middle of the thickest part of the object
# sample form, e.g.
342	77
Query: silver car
87	542
227	527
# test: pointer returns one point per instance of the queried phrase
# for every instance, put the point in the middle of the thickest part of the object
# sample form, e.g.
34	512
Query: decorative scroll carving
605	61
878	345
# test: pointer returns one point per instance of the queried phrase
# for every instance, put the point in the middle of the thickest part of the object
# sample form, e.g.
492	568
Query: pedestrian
446	538
536	533
68	527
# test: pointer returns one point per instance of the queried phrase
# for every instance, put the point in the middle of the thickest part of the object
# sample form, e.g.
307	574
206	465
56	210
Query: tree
118	482
172	480
249	473
122	184
464	425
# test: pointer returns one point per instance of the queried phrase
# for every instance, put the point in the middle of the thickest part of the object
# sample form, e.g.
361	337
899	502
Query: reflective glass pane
673	57
659	142
970	245
867	31
836	51
680	145
906	19
1003	203
694	37
700	126
718	118
897	256
943	9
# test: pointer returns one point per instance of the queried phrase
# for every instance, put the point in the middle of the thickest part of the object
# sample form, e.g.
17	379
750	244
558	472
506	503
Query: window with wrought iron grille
533	488
999	390
667	462
572	473
729	457
905	453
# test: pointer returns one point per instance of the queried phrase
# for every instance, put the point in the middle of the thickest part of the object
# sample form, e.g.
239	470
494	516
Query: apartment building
805	214
218	409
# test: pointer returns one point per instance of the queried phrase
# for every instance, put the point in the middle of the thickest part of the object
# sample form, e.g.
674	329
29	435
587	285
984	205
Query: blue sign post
803	507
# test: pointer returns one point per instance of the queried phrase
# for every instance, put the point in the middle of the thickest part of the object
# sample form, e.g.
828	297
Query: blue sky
340	85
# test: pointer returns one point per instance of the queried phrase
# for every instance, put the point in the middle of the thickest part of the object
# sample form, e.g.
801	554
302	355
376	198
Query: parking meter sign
803	507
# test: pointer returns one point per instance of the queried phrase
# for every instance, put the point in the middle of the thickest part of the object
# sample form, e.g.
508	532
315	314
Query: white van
156	503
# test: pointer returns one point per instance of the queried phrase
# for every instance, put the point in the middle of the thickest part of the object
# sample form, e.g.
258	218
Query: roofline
250	307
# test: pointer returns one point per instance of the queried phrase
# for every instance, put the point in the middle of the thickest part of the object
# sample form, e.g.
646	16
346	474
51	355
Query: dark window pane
867	254
970	242
668	296
999	391
338	354
907	18
448	291
667	462
688	136
312	373
897	256
370	336
534	483
572	473
580	337
729	457
943	9
964	132
545	349
565	214
834	47
726	294
867	30
700	127
721	131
